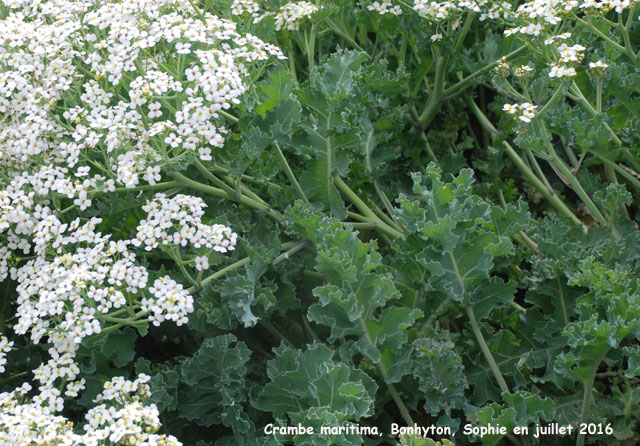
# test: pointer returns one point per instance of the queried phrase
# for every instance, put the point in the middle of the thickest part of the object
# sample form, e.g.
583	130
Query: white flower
562	71
154	110
292	14
598	65
173	140
83	171
152	175
183	48
384	7
82	201
202	263
525	111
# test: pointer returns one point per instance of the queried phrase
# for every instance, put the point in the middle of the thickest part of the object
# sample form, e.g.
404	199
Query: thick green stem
211	177
236	265
275	332
568	174
428	147
464	83
586	105
166	185
285	255
608	163
178	261
220	273
586	400
553	199
289	172
229	116
433	104
600	34
628	49
554	98
347	37
366	211
485	351
464	31
238	190
387	205
214	191
577	188
385	375
541	174
292	61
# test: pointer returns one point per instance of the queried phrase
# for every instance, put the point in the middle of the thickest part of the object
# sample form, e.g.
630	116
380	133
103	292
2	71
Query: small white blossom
525	111
202	263
293	14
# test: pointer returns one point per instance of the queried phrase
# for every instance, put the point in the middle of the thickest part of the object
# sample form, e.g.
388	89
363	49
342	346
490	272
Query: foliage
222	222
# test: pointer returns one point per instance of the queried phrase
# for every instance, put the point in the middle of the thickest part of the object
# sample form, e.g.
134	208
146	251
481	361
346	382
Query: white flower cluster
523	71
125	116
293	14
598	65
5	347
569	56
37	70
540	14
497	10
549	11
47	45
385	7
240	7
122	419
24	204
573	53
553	39
438	11
532	29
605	6
562	71
172	302
178	221
524	112
66	293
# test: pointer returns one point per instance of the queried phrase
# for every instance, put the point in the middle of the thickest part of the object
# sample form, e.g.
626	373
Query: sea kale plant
242	222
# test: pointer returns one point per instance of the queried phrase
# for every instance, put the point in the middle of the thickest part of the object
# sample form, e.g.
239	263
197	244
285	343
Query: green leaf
440	372
519	409
355	300
489	295
311	384
337	77
278	86
215	379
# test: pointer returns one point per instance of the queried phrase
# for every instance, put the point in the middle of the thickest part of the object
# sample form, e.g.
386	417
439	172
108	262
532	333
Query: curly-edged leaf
276	87
330	158
244	288
164	390
215	379
489	295
452	232
519	409
355	299
316	418
116	348
509	354
440	372
337	77
310	379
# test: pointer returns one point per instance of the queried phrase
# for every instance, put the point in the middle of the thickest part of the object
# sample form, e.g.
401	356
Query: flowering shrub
222	222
